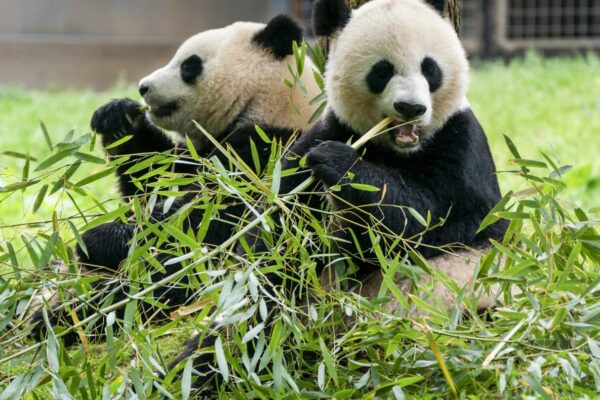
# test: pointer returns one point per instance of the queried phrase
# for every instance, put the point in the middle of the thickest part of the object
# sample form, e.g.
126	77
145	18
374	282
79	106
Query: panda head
393	58
230	75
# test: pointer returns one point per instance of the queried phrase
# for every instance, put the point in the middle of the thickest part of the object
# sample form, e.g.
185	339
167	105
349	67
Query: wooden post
452	12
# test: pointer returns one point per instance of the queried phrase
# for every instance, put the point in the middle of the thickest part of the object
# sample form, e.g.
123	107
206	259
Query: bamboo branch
213	253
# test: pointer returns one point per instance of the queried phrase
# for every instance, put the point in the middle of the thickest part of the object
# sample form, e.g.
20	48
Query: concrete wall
92	43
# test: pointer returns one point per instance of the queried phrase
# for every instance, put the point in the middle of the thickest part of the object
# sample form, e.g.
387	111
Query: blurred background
93	43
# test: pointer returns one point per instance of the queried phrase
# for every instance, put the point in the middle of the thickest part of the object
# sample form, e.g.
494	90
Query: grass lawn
545	344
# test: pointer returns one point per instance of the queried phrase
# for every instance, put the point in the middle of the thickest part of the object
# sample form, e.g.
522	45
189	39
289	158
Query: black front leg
335	163
123	117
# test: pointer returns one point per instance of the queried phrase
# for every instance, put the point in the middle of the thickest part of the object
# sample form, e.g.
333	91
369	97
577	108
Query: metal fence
504	27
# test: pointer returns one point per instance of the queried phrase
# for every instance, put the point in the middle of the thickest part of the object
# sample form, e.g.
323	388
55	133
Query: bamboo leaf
40	198
54	158
46	135
221	359
94	177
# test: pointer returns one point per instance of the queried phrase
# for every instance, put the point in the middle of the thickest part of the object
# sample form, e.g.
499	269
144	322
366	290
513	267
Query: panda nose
410	110
143	89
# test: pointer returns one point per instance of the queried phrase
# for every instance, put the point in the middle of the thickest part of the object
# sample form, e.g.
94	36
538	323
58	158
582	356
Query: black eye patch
191	68
380	75
433	73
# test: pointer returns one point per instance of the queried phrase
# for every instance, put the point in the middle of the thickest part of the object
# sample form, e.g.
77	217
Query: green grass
544	343
61	111
550	105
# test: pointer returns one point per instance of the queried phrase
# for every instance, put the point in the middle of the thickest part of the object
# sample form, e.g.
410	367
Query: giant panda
399	59
228	80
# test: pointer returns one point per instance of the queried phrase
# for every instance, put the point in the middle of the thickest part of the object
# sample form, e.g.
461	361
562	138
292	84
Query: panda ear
329	16
437	4
278	35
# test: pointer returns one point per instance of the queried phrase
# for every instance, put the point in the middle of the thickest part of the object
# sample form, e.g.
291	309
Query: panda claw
116	117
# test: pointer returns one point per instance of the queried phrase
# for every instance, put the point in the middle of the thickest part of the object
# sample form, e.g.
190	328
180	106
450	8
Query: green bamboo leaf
529	163
512	147
94	177
46	135
90	158
25	173
276	177
110	216
492	217
186	379
191	148
321	376
40	198
119	142
48	250
221	359
417	216
253	333
13	187
317	114
364	187
13	260
78	238
328	361
54	158
318	99
52	347
16	154
262	134
62	181
536	386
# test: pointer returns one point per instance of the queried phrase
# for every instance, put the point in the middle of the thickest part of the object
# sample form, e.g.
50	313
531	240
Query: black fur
380	75
439	5
329	16
191	68
433	73
278	36
461	182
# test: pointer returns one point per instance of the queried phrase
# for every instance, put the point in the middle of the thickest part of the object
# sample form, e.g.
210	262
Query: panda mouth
406	135
164	111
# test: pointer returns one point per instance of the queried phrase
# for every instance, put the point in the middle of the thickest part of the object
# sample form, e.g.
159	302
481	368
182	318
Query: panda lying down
398	59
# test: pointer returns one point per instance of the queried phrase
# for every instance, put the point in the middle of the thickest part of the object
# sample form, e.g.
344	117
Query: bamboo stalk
216	251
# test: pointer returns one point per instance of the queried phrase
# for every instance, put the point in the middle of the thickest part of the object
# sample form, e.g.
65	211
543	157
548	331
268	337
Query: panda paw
117	119
330	161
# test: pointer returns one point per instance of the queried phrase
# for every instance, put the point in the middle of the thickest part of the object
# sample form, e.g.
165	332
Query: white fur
403	32
238	76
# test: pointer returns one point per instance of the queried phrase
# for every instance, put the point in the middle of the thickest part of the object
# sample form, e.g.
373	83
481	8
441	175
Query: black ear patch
433	73
380	75
329	16
437	4
278	35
